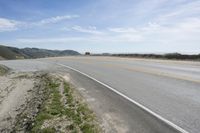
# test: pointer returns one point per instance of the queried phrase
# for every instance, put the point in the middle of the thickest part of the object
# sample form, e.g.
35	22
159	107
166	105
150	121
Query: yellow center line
154	72
151	71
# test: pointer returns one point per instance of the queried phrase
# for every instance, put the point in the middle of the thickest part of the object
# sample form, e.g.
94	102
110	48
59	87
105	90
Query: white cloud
122	30
190	24
181	37
89	29
180	12
145	7
8	25
55	19
149	24
49	40
104	38
187	30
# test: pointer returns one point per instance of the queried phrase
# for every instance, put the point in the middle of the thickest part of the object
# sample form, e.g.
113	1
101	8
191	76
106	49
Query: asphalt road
171	89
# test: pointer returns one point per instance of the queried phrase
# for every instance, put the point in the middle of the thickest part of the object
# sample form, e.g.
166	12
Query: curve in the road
176	127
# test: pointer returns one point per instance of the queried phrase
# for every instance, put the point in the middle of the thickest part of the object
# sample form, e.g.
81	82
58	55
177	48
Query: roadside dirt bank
20	96
42	102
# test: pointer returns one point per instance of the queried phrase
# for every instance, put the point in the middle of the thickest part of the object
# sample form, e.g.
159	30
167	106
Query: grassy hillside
10	53
40	53
16	53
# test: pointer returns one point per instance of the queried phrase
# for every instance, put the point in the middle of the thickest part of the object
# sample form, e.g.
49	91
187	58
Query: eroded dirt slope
19	93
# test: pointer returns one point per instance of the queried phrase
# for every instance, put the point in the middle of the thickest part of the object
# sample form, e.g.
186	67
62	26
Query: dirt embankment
40	102
20	94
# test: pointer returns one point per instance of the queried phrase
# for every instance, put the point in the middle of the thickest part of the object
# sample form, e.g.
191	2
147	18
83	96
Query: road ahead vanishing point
168	90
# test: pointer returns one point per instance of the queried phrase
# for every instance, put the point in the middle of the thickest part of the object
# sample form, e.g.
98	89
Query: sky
101	26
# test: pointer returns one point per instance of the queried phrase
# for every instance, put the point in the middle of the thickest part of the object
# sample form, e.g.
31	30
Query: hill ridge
7	52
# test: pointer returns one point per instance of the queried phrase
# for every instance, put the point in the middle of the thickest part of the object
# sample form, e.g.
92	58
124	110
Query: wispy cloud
95	37
8	25
55	19
144	24
122	30
152	33
179	12
89	29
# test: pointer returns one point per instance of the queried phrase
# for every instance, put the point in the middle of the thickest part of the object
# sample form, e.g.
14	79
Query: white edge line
131	100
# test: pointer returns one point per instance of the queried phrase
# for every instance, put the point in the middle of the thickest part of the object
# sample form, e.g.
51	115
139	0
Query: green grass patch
48	130
80	117
79	113
51	107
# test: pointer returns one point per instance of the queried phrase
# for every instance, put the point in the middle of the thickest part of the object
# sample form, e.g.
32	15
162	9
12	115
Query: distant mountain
26	53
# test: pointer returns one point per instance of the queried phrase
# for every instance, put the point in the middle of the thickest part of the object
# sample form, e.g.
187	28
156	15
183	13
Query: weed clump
3	70
79	117
51	107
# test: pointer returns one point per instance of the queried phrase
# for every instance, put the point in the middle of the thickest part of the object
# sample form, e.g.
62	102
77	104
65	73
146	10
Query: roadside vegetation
3	70
174	56
63	111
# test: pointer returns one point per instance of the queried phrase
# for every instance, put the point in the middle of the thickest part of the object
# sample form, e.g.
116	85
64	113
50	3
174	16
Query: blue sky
117	26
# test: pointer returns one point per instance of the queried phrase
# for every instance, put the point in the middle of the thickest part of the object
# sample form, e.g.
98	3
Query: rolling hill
9	53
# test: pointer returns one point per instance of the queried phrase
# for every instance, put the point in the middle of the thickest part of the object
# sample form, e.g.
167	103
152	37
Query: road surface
170	89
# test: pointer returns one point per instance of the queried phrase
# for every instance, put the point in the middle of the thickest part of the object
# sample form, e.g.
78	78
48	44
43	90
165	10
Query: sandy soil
16	93
22	95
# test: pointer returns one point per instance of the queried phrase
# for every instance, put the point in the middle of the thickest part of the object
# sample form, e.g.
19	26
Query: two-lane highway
171	89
